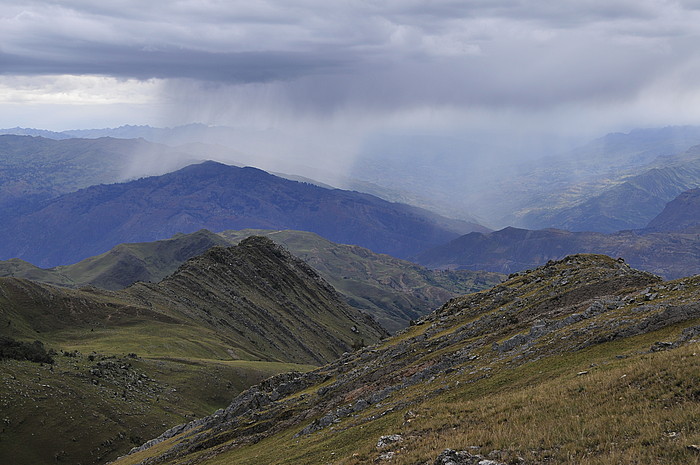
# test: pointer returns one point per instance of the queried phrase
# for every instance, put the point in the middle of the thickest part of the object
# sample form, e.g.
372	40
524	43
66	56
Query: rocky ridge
393	291
561	308
259	292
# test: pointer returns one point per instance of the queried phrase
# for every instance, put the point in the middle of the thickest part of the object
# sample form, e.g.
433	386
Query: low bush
17	350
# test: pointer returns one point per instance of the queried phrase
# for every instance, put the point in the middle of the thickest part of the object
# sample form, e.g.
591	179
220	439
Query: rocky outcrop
462	457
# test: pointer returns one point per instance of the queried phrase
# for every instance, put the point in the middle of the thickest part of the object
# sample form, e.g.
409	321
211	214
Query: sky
333	75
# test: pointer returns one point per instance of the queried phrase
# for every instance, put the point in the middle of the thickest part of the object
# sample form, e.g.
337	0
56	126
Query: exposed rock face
562	307
462	457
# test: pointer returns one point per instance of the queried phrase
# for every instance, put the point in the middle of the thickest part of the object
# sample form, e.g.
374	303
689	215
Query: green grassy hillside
123	265
584	360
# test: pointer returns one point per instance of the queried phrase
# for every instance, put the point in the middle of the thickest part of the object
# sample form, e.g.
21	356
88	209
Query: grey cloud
526	77
323	57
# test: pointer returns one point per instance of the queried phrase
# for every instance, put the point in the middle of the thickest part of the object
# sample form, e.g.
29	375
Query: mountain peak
217	197
258	291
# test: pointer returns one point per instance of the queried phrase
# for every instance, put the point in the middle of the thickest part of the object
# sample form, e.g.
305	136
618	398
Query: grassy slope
67	414
641	409
123	265
98	401
149	261
586	391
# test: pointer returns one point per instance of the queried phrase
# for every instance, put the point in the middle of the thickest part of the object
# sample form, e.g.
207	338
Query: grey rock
389	440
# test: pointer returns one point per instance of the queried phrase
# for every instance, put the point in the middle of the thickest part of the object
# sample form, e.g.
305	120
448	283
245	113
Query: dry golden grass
634	412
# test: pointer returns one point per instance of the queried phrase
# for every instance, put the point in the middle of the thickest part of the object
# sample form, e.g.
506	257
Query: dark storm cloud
127	62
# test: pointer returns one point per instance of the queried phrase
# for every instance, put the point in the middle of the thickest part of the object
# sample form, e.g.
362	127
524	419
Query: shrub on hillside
17	350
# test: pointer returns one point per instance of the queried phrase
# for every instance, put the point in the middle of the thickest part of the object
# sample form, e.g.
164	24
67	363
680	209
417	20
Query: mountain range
628	203
583	188
124	317
618	181
189	133
34	169
393	291
217	197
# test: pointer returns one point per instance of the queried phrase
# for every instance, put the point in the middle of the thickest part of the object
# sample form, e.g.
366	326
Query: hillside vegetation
584	360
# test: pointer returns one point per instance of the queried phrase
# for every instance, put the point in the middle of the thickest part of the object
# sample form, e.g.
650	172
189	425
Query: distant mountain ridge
216	197
187	133
629	204
35	169
123	265
670	246
615	182
526	189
